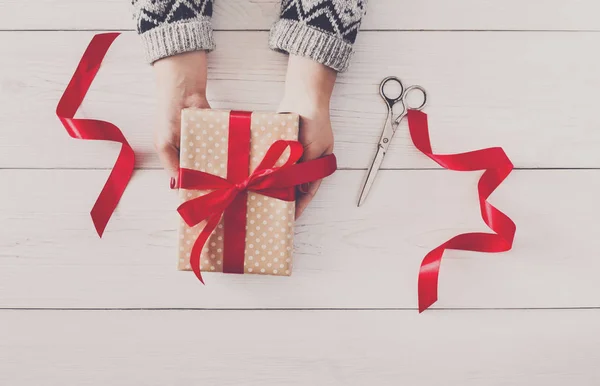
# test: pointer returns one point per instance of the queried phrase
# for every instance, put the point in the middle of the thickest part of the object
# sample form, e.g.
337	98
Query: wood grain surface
472	348
523	75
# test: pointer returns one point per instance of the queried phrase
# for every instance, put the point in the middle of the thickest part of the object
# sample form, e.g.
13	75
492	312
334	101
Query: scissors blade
377	161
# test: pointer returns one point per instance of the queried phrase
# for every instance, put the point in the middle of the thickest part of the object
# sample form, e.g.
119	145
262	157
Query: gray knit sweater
323	30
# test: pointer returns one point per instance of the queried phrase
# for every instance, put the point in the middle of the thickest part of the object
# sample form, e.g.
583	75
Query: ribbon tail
90	129
428	278
209	228
497	167
113	189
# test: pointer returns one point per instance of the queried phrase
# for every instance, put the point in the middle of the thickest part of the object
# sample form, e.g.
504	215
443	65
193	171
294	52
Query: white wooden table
521	74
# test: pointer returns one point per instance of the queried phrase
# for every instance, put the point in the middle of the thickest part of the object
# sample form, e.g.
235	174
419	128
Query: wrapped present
237	184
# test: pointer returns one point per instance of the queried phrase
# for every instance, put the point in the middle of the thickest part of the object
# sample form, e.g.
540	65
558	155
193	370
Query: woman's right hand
181	81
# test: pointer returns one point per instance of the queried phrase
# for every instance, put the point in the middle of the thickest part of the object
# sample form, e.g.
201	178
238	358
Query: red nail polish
173	183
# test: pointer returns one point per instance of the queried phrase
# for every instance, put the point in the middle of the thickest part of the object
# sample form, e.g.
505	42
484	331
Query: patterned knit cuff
297	38
176	38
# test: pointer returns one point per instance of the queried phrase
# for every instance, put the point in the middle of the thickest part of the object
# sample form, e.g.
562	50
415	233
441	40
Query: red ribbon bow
497	167
92	129
228	196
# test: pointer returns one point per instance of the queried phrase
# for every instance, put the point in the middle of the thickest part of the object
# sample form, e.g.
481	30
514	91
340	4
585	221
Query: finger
303	188
168	154
304	199
308	191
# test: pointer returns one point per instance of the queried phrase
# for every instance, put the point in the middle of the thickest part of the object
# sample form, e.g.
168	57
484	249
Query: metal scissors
391	125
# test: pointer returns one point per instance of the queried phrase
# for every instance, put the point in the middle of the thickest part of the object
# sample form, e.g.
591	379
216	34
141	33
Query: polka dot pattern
269	221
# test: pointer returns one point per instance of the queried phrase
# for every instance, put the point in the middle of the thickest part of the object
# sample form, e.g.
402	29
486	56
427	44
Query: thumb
168	153
307	193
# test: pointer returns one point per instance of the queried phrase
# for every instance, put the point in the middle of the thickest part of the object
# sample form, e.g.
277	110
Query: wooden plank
516	93
260	14
345	256
471	348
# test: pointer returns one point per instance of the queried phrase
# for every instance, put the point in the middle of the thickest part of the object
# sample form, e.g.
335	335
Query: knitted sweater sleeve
169	27
323	30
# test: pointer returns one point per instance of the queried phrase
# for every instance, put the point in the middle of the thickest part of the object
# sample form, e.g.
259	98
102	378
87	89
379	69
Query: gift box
269	221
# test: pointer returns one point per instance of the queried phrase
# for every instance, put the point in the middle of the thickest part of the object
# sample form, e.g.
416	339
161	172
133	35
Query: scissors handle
413	89
388	100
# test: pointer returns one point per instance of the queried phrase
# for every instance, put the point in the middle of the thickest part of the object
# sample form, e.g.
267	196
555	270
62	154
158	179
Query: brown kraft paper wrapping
269	221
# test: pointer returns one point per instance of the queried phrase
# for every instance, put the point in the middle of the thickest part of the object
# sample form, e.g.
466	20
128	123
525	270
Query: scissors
391	125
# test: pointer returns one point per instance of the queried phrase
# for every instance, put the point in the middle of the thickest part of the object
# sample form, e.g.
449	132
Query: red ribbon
92	129
497	167
229	196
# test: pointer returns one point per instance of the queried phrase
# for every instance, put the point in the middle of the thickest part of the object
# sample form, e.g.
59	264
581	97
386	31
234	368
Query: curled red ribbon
497	167
266	179
91	129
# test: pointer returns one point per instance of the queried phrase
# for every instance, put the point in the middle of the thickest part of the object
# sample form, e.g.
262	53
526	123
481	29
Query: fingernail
303	188
173	183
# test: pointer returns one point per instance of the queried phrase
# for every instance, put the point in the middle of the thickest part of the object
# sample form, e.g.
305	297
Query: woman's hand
308	89
181	81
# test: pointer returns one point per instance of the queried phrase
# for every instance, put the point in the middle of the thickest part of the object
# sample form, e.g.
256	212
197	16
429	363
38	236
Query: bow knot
241	186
